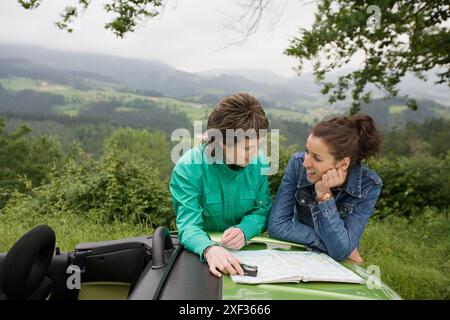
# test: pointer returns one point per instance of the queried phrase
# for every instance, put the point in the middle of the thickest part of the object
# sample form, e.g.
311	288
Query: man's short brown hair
239	111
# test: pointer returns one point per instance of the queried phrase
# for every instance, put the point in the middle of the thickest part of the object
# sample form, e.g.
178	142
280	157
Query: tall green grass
413	254
70	229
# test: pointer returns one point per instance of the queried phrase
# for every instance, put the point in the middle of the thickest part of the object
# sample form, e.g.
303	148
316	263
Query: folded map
293	266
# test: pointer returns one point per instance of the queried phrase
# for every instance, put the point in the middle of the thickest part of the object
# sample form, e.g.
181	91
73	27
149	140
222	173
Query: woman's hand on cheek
330	179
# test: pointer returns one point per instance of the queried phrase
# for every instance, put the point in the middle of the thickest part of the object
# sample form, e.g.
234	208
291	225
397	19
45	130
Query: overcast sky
190	34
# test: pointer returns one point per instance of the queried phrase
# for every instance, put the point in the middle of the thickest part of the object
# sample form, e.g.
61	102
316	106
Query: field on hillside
77	100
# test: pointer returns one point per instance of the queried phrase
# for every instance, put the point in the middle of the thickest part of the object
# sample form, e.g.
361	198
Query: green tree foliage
106	190
22	157
412	184
127	14
431	138
294	132
140	114
275	180
393	114
28	101
152	148
409	36
90	136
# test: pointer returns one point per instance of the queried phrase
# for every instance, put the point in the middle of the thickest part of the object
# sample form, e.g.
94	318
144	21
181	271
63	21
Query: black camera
249	270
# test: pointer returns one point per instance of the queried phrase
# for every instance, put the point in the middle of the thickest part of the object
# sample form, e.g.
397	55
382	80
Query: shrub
111	189
285	155
411	184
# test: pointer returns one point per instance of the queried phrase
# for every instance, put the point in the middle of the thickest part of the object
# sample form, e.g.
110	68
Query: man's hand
222	261
330	179
233	238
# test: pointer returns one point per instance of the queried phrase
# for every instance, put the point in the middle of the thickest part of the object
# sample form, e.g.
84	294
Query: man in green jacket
224	188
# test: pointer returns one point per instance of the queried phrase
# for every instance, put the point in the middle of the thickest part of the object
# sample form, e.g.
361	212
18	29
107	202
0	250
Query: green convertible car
148	268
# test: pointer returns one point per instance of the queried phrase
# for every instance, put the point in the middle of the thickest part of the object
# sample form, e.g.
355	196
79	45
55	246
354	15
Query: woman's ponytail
369	136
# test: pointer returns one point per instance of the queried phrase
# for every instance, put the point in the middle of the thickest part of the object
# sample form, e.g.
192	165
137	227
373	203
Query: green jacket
210	196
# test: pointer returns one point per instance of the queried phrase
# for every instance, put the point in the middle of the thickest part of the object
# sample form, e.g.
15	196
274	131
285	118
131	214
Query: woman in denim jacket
326	195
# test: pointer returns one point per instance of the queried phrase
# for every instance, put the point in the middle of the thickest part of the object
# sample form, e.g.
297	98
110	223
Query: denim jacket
334	226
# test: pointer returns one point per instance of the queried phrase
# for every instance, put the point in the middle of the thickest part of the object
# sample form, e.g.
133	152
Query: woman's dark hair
355	136
239	111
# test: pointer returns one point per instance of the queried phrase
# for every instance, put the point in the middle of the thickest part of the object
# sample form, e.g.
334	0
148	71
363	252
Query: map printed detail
293	266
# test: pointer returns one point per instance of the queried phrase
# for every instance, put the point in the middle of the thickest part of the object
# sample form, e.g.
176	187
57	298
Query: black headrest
27	262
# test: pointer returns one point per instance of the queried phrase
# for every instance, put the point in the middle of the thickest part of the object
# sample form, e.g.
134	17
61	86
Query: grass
125	109
71	110
70	229
17	84
413	255
309	114
289	115
396	108
69	93
194	111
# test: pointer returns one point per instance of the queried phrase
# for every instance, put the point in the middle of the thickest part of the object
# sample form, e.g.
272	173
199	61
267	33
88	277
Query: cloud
189	35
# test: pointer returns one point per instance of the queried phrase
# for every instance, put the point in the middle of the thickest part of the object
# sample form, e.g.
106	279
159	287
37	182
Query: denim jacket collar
353	185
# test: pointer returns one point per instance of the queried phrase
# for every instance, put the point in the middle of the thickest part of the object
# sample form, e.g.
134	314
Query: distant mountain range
256	75
207	87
